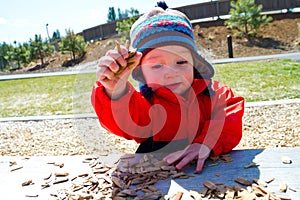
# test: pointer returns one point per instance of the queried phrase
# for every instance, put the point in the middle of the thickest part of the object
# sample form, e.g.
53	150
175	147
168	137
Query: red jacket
215	121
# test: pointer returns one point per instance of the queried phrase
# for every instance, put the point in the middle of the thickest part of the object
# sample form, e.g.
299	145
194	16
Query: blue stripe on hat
155	30
167	38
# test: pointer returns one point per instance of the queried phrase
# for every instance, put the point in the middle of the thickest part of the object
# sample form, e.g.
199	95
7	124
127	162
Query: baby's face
170	67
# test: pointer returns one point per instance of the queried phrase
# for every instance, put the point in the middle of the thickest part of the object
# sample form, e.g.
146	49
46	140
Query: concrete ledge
50	117
271	103
93	115
46	74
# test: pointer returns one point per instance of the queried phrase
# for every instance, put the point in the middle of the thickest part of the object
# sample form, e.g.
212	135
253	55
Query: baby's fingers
186	160
119	56
173	157
104	73
109	62
200	164
134	61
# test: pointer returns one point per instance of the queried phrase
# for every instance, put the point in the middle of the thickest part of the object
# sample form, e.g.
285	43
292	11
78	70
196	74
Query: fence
197	11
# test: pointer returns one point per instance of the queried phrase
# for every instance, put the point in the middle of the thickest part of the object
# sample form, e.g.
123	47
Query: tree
39	49
133	12
56	35
17	56
120	16
123	27
245	17
111	16
4	48
73	44
123	15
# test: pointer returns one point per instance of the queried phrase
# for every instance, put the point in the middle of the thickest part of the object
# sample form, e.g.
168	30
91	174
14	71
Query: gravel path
264	126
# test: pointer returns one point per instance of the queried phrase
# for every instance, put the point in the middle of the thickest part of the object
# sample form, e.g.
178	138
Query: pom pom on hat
162	4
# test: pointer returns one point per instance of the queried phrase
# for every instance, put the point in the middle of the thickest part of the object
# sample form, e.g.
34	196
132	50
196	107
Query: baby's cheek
154	80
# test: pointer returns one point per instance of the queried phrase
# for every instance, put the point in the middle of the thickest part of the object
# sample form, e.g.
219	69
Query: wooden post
229	43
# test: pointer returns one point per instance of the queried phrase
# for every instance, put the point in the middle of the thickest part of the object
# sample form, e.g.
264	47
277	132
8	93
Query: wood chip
258	190
61	174
32	195
61	165
46	185
269	180
292	189
236	188
12	163
26	183
286	160
252	164
243	181
229	194
118	182
178	195
48	177
152	188
210	185
62	180
226	158
16	168
179	174
283	187
260	182
127	156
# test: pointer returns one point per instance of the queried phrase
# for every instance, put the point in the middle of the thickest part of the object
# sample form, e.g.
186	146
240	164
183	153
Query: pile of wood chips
135	175
133	178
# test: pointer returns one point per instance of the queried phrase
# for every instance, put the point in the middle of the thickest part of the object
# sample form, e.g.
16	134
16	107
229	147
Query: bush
73	44
123	27
245	17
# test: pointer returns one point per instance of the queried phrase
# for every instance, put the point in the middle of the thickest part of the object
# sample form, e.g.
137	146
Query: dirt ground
280	36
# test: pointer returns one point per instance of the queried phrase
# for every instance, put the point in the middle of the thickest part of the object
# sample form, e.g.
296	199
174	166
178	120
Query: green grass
262	81
43	96
60	95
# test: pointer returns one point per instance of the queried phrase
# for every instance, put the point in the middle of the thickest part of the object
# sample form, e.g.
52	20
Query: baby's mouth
173	86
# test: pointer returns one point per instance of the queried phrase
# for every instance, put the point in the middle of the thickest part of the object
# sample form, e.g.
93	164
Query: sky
20	20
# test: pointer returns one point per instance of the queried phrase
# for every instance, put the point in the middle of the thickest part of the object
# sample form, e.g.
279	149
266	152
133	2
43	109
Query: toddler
179	109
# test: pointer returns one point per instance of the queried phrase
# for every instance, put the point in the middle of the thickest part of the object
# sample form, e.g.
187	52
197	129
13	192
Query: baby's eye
156	66
181	62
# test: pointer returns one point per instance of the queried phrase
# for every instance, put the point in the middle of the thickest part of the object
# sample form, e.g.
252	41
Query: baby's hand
114	69
197	151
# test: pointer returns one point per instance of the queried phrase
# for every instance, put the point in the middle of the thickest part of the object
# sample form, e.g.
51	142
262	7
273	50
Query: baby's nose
170	72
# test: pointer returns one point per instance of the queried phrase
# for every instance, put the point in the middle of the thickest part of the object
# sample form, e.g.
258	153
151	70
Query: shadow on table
220	172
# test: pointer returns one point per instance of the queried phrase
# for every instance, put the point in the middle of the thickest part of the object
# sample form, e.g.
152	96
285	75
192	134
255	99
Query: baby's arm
220	134
224	130
113	70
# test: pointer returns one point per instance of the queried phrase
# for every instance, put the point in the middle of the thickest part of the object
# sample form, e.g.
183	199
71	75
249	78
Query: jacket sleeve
223	131
119	116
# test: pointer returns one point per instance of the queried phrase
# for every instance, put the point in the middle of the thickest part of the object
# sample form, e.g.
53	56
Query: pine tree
73	44
245	17
40	49
111	16
4	48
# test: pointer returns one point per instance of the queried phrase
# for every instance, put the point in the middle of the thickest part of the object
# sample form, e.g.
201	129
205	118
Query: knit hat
161	27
